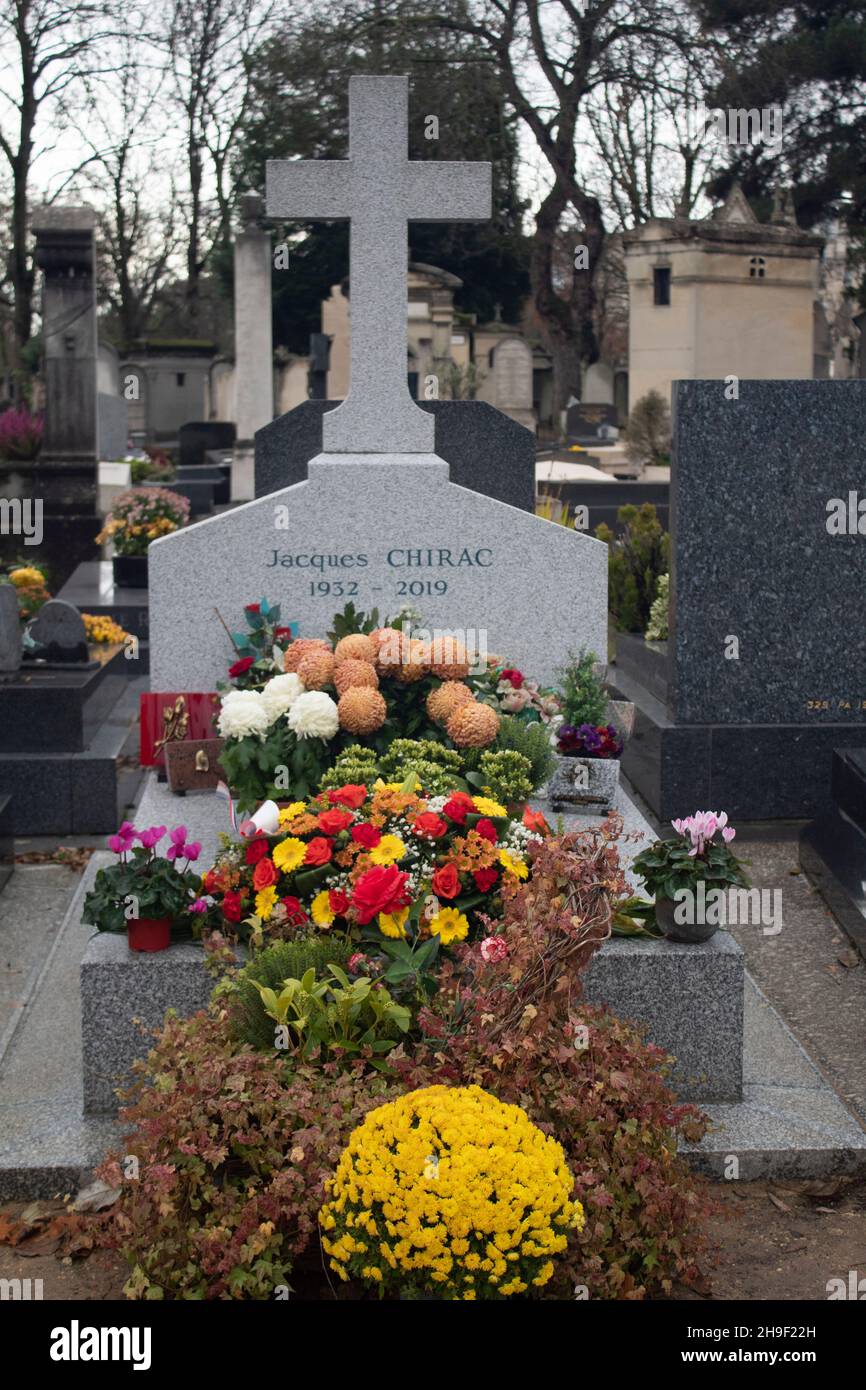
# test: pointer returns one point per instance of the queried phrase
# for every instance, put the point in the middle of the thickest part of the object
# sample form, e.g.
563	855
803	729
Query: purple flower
122	841
198	906
151	837
177	848
193	850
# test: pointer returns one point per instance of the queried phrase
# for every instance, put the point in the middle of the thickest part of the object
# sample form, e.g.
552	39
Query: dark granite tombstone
587	423
320	358
833	847
196	438
486	451
10	629
766	659
57	634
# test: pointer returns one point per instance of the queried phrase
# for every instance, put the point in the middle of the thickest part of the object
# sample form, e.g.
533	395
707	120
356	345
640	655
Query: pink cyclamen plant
701	827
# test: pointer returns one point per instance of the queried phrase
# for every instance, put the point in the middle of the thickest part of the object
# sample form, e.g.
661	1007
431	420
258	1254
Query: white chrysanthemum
280	694
243	713
314	715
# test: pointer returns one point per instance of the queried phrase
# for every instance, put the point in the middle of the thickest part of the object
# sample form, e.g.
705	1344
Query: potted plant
588	744
140	515
144	894
687	874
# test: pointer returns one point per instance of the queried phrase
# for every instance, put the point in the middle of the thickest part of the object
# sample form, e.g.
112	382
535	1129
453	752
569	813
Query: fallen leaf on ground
777	1202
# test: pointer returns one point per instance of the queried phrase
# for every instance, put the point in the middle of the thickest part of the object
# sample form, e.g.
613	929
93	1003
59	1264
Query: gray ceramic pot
681	931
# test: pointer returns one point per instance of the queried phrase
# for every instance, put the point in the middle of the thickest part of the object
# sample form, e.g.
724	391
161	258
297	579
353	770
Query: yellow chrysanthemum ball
450	1192
301	647
445	699
473	725
316	669
361	710
351	673
356	647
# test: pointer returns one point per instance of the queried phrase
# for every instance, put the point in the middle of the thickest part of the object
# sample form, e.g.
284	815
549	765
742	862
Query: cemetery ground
777	1240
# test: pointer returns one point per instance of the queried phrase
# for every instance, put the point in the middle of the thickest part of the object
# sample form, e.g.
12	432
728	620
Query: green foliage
334	1016
636	558
282	960
141	884
233	1149
657	627
531	740
438	769
355	765
352	620
252	766
264	631
507	773
584	699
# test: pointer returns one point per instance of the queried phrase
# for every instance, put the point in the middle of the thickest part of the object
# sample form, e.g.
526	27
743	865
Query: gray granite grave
766	658
484	449
57	633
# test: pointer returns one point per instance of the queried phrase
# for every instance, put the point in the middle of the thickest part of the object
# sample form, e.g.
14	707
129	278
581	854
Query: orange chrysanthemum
362	710
356	647
448	658
445	699
473	725
297	650
316	670
352	673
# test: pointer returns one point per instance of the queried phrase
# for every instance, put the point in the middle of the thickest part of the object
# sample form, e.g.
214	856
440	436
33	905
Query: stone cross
379	190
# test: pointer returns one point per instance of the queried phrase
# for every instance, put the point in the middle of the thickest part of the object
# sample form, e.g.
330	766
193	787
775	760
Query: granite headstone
197	437
588	423
57	633
10	629
486	450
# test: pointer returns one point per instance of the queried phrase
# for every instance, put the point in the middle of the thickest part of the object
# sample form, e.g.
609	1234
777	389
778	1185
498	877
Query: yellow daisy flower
288	854
320	909
450	925
265	902
289	812
393	923
389	849
381	786
512	865
486	807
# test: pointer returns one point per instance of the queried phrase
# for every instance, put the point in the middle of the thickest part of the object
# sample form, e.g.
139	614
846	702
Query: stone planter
130	571
584	784
681	931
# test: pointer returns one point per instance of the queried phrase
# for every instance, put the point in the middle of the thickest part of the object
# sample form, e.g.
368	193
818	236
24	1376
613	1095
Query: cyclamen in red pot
144	894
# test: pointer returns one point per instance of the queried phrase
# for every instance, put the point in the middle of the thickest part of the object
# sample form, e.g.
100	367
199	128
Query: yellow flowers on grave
100	628
449	1192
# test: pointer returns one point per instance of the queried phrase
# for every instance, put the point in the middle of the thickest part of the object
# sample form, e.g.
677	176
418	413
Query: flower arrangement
588	741
101	629
141	515
257	651
669	865
525	699
142	884
20	434
387	864
447	1191
32	587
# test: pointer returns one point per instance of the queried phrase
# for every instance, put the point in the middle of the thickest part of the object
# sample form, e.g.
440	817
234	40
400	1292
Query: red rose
232	907
458	807
252	607
332	822
282	632
514	677
380	889
446	881
296	914
487	830
265	874
366	835
243	665
485	879
256	849
212	881
428	823
338	902
353	795
319	851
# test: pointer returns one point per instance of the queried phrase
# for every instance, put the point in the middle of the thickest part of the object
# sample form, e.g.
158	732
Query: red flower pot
149	933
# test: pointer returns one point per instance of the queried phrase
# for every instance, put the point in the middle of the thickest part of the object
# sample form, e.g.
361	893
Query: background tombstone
58	632
63	481
254	356
512	379
10	629
766	659
486	450
590	423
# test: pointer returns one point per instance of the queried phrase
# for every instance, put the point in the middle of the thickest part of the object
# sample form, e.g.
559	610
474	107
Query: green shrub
648	430
636	558
507	773
584	699
284	960
531	740
657	627
354	766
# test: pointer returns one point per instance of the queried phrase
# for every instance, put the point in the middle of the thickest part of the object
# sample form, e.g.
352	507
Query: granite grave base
833	847
754	772
7	839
